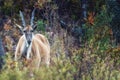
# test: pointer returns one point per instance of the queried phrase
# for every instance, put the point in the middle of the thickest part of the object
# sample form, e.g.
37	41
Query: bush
40	26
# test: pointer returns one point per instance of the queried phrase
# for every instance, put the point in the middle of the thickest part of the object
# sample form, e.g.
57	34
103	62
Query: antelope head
27	29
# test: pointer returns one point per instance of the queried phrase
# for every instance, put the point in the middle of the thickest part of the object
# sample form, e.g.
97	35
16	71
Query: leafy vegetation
40	26
98	59
84	64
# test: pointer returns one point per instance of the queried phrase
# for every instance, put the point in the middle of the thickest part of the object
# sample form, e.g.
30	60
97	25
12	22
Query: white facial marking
29	51
29	48
25	44
25	41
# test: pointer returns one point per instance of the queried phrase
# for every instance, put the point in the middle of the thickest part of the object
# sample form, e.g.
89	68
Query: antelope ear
20	27
35	26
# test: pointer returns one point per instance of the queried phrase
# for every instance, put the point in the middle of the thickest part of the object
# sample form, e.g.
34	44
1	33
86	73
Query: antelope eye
24	31
31	31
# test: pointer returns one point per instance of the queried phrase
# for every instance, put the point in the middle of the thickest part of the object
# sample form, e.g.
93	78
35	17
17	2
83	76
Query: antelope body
32	46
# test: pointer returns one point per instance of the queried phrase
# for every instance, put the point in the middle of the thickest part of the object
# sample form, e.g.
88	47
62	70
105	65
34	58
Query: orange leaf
7	27
91	18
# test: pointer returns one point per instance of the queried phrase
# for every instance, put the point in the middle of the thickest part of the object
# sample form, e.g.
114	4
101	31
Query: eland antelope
32	46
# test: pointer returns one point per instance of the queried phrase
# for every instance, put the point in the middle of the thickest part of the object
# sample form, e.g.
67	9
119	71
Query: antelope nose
29	42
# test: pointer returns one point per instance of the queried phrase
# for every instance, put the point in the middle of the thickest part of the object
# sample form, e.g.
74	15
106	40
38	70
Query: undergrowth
97	60
83	64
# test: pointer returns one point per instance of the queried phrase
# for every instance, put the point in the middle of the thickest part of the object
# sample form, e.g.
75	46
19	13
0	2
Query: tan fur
40	49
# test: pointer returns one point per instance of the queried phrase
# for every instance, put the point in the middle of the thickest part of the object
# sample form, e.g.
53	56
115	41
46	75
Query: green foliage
88	67
7	6
103	18
40	26
98	36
